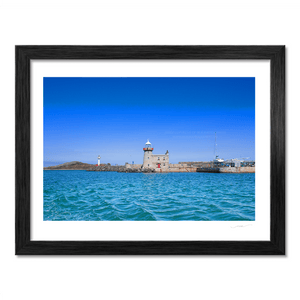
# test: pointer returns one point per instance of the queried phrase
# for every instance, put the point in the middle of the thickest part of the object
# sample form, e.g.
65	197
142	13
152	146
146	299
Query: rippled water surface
103	196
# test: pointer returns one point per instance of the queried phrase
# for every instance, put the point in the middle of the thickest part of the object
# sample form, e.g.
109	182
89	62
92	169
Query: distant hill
73	165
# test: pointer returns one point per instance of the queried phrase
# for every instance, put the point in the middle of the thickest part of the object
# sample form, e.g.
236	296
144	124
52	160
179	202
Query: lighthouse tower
147	162
99	160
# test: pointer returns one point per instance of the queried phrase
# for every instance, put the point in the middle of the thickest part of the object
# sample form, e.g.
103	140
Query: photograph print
149	149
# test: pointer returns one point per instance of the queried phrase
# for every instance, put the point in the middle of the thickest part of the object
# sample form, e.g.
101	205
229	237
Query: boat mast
215	145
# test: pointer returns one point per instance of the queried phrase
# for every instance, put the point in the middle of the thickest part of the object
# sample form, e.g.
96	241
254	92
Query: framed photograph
150	150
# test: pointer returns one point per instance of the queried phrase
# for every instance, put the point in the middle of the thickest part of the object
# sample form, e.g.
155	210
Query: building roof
148	143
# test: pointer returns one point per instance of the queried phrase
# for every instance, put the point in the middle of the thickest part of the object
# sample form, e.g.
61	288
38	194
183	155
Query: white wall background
59	22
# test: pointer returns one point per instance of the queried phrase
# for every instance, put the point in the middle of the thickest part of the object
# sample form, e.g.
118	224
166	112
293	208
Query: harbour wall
186	168
133	166
181	168
176	168
137	168
227	170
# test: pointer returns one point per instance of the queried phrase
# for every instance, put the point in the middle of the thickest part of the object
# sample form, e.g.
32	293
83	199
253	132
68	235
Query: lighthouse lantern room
148	146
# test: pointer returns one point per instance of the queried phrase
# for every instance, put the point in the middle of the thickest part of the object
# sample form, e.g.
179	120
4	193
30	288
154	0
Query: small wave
106	196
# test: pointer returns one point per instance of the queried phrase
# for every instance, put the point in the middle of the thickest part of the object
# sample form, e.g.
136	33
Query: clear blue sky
114	117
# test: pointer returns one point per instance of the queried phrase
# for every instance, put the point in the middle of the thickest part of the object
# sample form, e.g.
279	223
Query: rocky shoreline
76	165
79	166
120	169
73	165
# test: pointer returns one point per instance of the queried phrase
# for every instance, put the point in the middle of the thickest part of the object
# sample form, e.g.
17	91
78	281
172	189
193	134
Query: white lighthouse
99	160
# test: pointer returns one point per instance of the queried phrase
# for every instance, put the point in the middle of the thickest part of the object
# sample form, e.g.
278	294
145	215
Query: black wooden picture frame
24	245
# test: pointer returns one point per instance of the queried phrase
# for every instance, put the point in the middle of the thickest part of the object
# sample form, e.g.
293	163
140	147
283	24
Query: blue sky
114	117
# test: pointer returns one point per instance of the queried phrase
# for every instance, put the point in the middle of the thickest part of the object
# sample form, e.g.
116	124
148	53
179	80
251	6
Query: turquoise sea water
103	196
